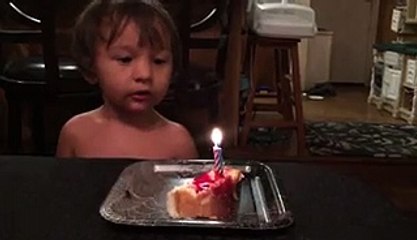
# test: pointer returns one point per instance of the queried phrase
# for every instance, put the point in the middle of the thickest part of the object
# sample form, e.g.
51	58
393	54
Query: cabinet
408	101
394	71
393	80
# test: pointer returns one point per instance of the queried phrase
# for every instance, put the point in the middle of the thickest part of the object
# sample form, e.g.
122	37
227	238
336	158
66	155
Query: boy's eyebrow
162	51
121	47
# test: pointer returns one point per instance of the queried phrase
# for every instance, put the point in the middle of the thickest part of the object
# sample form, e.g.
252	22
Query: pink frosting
218	183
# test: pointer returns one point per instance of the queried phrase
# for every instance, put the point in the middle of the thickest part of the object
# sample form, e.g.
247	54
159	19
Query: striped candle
218	159
216	137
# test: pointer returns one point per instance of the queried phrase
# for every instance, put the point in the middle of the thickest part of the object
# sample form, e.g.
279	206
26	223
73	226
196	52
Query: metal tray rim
286	217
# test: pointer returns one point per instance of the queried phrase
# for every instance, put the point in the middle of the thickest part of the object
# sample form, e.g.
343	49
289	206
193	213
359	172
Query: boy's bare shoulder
181	140
176	129
74	132
81	122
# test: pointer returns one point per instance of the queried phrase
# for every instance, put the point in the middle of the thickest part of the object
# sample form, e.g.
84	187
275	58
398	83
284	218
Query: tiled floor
349	104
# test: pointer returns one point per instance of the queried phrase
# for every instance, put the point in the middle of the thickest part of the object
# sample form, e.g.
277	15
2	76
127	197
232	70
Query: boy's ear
90	78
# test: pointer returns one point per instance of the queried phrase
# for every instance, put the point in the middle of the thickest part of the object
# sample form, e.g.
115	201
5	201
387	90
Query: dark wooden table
45	198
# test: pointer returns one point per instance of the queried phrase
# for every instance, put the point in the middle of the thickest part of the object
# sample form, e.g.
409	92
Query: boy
130	49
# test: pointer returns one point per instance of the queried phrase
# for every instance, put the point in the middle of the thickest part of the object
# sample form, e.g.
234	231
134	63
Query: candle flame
216	136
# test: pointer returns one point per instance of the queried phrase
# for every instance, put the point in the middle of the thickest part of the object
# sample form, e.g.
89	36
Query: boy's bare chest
118	143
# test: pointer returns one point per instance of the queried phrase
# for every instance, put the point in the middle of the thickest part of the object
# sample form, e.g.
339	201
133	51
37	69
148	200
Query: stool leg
246	126
14	122
298	100
278	78
283	85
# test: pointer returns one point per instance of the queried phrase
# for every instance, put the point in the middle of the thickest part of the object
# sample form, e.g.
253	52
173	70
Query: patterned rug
350	139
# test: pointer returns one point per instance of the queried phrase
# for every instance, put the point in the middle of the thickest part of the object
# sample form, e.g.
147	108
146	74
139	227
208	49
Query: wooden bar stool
284	96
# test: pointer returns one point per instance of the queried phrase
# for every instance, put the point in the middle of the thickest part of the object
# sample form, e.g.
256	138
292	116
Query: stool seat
283	98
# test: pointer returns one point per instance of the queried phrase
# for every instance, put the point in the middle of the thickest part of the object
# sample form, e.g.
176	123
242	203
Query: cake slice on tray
210	195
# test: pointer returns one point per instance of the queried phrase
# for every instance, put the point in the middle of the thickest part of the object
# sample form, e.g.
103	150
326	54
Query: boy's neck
144	120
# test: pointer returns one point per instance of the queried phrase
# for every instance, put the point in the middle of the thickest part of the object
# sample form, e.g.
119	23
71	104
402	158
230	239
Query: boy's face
133	77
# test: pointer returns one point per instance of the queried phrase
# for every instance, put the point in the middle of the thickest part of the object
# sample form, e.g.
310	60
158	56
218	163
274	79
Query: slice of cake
210	195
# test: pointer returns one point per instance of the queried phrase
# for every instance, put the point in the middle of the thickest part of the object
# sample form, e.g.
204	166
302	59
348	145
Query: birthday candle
216	137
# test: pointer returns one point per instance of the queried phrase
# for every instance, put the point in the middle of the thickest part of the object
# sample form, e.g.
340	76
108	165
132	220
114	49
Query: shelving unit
407	110
394	73
391	86
387	77
376	79
408	102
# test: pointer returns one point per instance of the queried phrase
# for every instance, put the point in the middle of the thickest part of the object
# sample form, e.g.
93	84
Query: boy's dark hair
147	14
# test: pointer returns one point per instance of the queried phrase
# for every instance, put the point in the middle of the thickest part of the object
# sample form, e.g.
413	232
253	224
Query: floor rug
350	139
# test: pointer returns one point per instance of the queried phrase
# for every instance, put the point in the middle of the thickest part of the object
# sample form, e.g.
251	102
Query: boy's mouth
142	95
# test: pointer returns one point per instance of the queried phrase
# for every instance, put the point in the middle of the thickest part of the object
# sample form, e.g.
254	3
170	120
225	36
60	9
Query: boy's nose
142	70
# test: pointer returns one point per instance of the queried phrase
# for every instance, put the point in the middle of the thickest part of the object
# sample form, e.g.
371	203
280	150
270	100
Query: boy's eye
124	60
159	61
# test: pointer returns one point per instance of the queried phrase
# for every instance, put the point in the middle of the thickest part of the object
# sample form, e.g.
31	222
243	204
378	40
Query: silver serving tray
139	196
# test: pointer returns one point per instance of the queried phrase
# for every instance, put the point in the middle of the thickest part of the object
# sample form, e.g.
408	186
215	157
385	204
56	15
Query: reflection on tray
169	168
139	196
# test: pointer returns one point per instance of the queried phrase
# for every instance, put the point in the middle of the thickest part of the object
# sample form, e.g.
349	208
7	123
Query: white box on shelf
391	83
393	59
401	23
410	78
397	20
